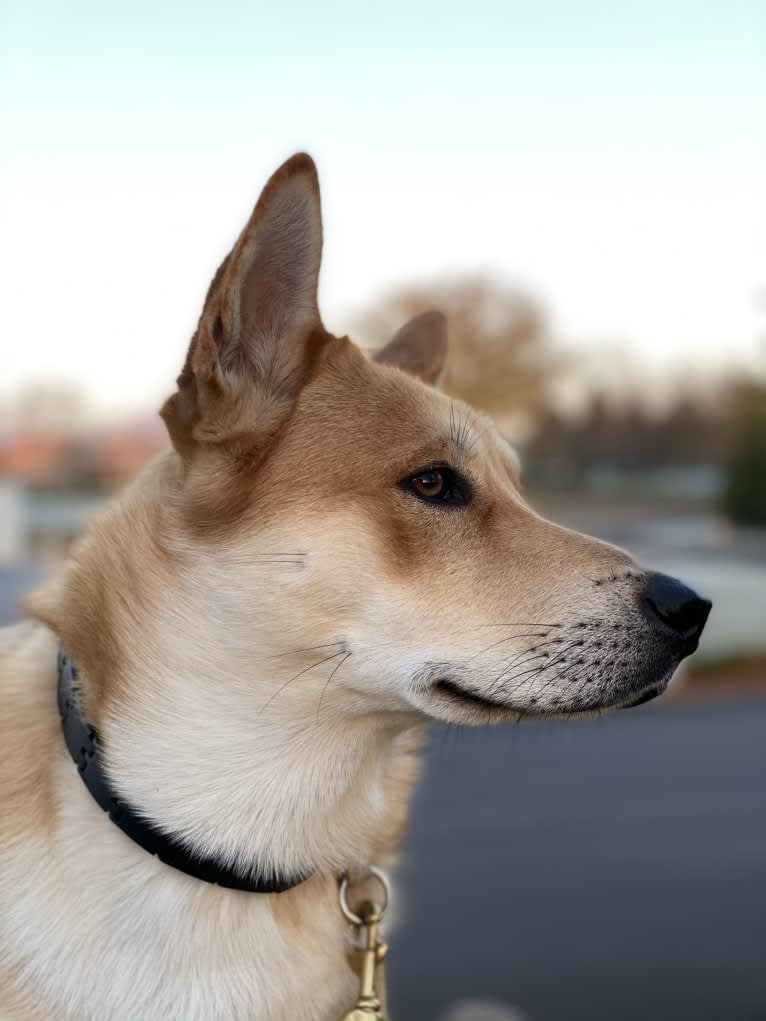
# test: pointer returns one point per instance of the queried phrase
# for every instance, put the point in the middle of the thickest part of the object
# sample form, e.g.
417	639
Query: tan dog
332	555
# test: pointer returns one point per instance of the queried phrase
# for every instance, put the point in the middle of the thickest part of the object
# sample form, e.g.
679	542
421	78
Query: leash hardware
367	959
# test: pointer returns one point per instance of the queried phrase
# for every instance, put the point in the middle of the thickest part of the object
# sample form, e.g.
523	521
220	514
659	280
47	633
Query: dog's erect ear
419	347
260	330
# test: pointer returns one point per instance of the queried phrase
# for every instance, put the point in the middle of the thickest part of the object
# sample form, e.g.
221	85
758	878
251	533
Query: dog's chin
643	696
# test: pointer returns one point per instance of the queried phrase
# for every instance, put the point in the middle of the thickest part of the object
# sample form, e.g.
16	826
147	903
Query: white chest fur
106	932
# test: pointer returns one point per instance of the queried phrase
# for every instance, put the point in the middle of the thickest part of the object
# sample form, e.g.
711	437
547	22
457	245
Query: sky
609	158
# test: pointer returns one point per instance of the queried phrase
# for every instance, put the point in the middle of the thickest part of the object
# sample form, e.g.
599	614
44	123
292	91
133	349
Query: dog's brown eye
438	484
431	484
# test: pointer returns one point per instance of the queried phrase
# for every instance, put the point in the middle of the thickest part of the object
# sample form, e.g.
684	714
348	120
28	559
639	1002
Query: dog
249	644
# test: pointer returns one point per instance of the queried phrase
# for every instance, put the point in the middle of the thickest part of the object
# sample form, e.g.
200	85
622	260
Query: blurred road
15	581
608	870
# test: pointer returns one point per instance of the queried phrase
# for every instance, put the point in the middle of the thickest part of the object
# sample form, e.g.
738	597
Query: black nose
676	606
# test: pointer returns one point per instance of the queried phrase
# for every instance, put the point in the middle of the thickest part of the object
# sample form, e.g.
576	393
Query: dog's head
360	535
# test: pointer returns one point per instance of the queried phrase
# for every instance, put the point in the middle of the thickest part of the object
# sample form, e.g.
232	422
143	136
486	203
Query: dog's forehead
356	409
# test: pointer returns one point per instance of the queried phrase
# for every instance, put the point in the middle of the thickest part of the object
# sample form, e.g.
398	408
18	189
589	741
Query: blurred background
580	187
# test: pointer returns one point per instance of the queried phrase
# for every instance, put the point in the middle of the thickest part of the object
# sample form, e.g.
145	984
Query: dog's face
365	537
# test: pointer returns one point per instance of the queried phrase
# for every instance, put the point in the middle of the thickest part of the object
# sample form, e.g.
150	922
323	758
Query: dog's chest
117	936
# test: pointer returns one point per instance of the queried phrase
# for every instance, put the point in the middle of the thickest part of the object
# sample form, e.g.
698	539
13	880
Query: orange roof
115	454
33	457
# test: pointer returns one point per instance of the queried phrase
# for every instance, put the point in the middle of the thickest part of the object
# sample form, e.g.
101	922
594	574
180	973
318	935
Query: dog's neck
275	793
252	759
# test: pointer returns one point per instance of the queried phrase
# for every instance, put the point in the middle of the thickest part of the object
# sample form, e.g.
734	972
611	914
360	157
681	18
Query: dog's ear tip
434	315
431	329
300	164
435	321
293	186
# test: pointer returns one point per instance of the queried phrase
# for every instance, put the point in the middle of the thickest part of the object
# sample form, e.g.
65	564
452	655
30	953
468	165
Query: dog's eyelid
457	474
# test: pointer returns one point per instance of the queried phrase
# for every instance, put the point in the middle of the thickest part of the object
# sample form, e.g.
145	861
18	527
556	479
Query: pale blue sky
612	157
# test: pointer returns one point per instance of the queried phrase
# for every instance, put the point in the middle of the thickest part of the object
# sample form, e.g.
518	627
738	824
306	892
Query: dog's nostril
675	605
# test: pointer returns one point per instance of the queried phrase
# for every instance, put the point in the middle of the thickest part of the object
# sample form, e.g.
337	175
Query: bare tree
500	358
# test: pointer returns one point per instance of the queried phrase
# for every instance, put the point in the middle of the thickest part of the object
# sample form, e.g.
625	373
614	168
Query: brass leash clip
367	959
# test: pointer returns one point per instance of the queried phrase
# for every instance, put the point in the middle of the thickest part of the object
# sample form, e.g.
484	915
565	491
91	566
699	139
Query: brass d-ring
376	873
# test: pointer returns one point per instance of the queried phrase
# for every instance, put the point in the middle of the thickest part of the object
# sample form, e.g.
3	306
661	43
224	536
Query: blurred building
46	459
51	480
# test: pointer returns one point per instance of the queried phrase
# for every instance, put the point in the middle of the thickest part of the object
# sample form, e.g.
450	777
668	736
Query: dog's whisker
558	677
552	662
333	672
469	423
515	624
276	553
293	564
519	677
299	674
298	652
524	655
460	439
528	656
504	641
281	560
478	435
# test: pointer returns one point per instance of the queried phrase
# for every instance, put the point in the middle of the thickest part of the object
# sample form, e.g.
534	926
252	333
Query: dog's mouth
454	691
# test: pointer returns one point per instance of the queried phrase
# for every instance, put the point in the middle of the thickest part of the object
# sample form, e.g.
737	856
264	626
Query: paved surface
607	871
14	583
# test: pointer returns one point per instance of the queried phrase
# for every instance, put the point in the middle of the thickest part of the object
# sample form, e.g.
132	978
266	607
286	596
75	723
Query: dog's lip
447	686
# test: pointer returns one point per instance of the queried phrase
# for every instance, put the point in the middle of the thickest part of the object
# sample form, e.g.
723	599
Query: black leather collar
84	746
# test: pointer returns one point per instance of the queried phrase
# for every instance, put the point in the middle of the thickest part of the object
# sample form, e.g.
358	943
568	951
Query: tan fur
26	778
263	624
